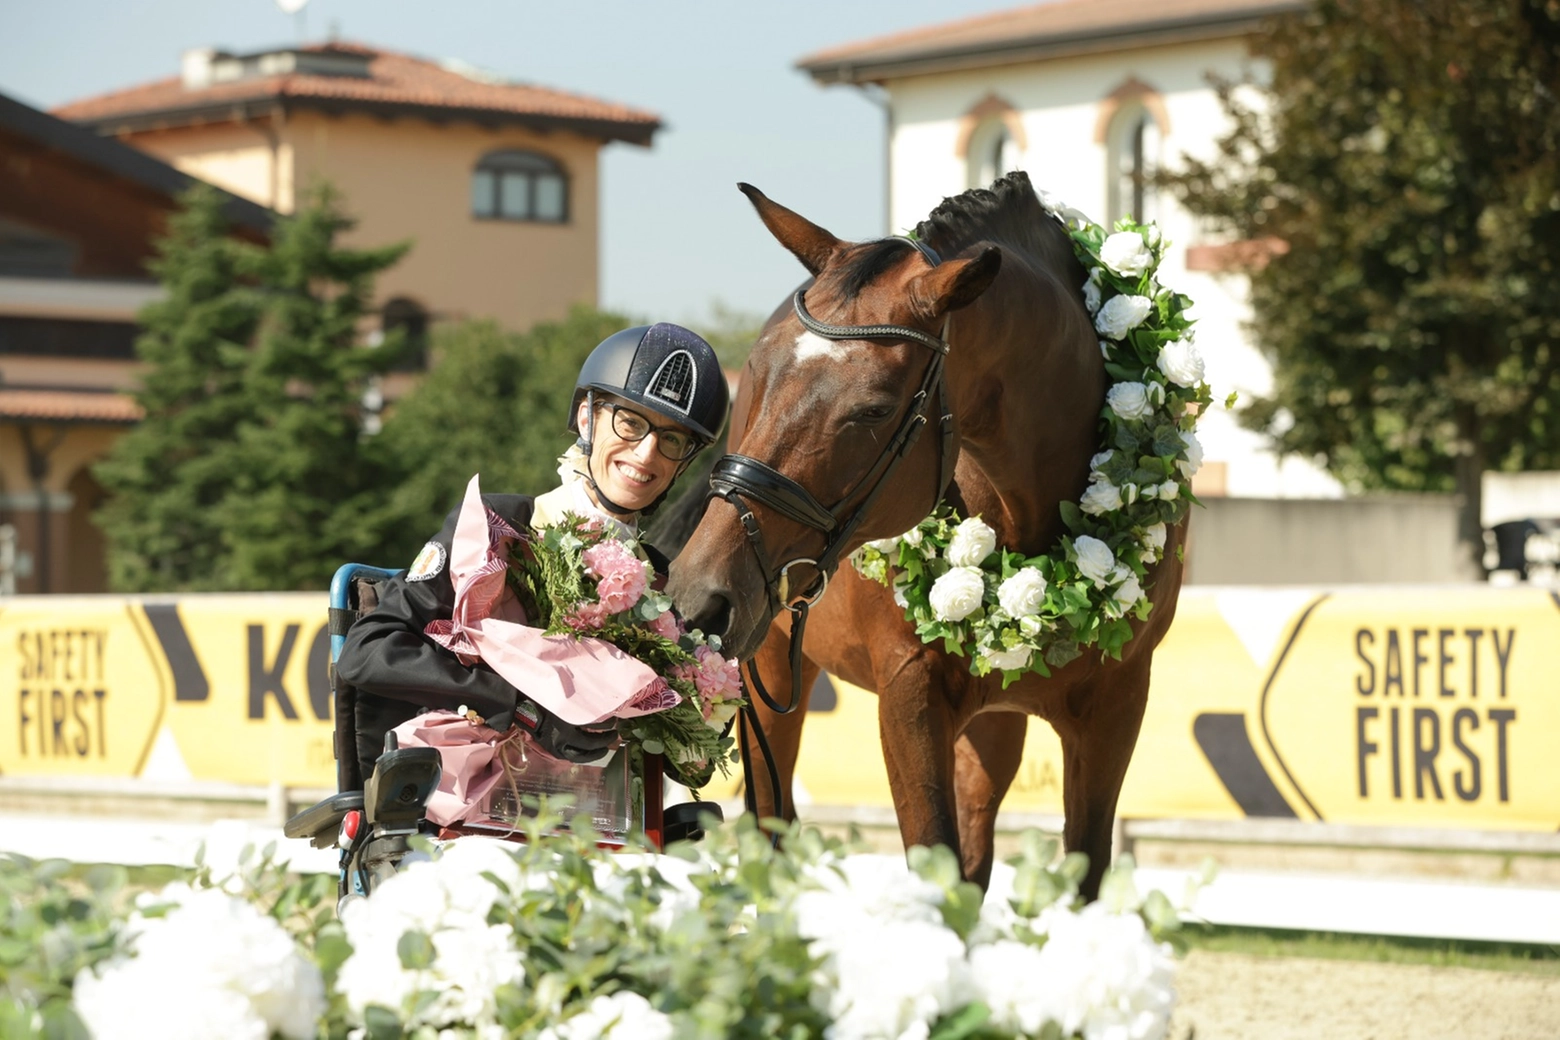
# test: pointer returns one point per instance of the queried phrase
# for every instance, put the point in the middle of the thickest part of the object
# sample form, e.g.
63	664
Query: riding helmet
664	368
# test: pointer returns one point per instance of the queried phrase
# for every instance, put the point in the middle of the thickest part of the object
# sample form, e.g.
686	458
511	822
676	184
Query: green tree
495	403
1404	163
163	481
305	485
249	470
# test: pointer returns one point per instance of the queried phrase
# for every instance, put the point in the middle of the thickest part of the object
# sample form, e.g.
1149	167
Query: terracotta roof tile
1058	23
394	80
101	406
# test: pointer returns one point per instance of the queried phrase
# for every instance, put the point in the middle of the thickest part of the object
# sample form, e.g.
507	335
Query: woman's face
632	474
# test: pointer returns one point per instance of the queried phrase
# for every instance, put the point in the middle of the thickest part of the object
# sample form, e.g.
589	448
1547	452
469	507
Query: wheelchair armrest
684	822
321	822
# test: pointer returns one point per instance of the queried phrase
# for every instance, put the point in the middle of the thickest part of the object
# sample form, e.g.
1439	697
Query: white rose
1006	660
957	594
1091	292
1154	238
1154	539
1030	625
884	545
1181	363
1101	459
912	537
1128	594
1022	594
1125	253
899	592
973	540
1102	497
1169	490
1150	491
1129	400
1095	559
1129	493
1121	314
1194	455
1104	350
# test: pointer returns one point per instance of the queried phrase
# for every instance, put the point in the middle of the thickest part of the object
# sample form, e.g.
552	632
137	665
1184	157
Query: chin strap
587	443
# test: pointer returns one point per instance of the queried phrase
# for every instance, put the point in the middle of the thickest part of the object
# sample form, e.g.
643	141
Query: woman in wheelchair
647	400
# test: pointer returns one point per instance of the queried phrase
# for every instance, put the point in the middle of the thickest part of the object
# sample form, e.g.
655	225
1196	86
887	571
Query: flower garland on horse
1022	614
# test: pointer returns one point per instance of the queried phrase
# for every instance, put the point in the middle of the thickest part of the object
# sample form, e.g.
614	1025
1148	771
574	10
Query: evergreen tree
163	483
495	403
304	488
1404	162
249	470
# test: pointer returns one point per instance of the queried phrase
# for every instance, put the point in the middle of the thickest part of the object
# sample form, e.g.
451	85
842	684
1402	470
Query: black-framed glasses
672	442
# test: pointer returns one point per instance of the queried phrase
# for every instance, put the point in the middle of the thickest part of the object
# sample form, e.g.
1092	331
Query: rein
740	479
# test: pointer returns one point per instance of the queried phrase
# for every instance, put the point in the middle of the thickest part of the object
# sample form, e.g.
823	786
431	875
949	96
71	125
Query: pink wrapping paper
472	757
580	679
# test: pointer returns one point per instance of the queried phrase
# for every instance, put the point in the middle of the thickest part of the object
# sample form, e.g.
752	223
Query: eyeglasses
672	442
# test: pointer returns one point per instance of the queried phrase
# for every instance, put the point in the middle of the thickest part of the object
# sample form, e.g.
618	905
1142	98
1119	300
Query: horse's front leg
986	758
917	726
782	732
1097	745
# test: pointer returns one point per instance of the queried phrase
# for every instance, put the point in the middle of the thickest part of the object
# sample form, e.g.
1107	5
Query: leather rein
741	480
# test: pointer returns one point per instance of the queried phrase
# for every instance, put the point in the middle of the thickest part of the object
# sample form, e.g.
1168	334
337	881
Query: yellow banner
1394	706
1407	706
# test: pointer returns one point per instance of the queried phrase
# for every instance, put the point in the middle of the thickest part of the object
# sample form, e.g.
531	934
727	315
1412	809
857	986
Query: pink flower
717	678
620	574
667	626
587	617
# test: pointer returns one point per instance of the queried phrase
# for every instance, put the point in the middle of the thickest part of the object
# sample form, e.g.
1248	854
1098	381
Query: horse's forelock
1008	213
867	263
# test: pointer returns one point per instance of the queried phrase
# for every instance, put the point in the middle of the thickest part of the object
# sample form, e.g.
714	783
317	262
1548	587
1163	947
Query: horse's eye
872	415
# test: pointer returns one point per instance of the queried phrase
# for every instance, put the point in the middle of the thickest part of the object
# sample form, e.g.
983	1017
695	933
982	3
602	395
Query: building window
513	185
1132	153
992	152
409	318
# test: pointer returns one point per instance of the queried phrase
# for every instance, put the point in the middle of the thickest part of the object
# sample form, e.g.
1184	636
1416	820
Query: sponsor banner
1429	707
222	687
1421	707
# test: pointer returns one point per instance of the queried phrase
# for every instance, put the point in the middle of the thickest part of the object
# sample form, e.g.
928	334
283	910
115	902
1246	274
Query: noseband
741	480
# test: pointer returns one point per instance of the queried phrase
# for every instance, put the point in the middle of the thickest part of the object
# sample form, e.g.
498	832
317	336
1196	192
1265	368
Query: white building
1086	95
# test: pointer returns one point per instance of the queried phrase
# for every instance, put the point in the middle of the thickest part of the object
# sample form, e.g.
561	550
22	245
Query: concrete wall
1063	105
1368	540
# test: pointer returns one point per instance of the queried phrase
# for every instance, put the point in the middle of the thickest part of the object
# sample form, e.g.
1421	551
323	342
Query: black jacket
399	672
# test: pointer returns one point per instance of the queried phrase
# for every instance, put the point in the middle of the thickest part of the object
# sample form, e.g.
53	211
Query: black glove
583	744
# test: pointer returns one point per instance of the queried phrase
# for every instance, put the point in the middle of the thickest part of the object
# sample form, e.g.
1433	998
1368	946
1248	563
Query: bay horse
837	385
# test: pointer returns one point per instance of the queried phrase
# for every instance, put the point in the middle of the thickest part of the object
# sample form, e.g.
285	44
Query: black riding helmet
662	368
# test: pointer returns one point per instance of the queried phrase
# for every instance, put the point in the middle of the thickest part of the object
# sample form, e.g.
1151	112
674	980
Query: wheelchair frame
372	819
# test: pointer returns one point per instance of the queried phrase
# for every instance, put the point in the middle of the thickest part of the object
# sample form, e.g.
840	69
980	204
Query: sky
676	234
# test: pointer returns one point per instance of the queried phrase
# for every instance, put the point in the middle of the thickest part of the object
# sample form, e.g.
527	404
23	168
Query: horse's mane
1007	213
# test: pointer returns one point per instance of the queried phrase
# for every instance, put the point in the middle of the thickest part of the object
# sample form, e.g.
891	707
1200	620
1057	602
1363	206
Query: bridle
740	479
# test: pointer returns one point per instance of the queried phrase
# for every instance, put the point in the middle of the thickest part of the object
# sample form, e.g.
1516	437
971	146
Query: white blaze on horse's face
810	345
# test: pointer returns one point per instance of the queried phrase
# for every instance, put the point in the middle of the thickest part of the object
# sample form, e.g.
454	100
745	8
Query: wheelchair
372	819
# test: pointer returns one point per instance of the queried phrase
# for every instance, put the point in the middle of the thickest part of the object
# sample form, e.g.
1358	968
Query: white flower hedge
557	940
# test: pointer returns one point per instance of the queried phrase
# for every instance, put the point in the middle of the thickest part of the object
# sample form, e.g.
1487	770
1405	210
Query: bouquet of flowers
574	579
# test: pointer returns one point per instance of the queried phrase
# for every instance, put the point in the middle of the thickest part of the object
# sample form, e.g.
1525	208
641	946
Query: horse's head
827	445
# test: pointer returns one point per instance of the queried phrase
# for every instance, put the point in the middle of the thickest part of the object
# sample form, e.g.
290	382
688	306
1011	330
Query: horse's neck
1028	384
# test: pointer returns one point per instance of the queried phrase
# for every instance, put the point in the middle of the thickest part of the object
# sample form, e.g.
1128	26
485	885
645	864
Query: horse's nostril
713	617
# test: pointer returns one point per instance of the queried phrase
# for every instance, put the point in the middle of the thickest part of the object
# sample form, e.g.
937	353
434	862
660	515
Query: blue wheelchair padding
339	586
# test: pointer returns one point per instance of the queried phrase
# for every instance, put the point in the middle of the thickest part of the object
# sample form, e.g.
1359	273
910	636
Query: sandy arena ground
1231	996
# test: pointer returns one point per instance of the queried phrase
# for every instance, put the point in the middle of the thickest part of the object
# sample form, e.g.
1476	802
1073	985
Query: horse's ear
808	242
955	284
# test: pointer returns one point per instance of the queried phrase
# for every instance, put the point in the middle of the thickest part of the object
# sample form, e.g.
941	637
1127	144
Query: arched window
515	185
991	141
993	152
412	320
1132	153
